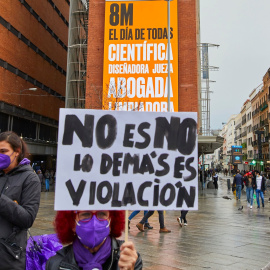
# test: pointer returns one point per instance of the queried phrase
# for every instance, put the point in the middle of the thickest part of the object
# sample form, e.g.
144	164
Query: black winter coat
64	259
19	203
263	186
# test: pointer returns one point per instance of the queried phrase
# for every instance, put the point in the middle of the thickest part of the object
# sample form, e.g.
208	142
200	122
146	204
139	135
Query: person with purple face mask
93	244
19	200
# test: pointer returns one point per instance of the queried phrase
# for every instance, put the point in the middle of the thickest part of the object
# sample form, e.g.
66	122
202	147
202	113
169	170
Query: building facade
249	146
252	129
33	56
90	55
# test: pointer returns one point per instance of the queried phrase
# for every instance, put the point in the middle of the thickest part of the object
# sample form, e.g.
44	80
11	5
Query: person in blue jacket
238	181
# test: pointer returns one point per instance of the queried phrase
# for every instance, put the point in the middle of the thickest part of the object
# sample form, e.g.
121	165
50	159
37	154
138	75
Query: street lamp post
28	89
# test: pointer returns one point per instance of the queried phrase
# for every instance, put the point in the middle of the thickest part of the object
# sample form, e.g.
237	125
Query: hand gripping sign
118	160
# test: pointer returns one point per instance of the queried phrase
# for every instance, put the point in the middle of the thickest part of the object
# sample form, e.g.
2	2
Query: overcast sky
242	29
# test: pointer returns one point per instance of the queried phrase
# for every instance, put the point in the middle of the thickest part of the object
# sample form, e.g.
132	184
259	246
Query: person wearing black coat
238	181
250	183
19	200
260	188
65	259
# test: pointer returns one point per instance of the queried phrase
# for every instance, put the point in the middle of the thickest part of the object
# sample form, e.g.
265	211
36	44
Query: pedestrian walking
19	202
238	181
260	188
135	213
41	177
182	218
47	180
52	177
249	182
215	179
93	244
163	229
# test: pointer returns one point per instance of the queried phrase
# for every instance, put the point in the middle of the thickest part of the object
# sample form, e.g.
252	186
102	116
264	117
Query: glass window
24	127
3	122
48	133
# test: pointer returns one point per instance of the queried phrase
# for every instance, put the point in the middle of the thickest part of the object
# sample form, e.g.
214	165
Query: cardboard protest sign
135	73
126	160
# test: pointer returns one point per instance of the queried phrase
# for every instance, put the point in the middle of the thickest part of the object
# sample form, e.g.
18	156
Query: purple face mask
5	161
93	232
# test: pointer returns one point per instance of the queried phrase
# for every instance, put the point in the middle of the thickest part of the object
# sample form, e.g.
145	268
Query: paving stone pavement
218	235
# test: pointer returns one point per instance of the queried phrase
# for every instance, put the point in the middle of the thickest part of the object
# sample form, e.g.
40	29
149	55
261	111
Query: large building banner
135	73
123	160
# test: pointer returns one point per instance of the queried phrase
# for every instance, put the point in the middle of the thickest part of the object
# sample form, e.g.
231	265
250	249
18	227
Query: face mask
93	232
5	161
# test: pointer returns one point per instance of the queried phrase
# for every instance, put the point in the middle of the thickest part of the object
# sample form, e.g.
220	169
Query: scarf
89	261
25	161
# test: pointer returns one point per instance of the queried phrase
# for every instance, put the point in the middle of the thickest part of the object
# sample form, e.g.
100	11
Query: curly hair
64	224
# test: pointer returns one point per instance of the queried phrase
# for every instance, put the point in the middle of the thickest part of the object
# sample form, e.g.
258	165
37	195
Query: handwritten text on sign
126	160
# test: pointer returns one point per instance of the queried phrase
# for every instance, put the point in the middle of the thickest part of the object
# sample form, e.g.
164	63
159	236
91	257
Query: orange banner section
135	72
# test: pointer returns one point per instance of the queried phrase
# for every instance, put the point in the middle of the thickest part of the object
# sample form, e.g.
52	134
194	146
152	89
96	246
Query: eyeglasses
87	215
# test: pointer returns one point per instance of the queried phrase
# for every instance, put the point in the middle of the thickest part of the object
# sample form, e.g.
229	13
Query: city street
218	235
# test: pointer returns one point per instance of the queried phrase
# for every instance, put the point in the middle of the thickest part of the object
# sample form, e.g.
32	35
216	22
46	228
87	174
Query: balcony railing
238	126
263	106
254	128
244	134
264	122
255	111
254	143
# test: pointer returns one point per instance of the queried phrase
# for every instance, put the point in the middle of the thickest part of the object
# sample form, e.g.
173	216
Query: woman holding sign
93	244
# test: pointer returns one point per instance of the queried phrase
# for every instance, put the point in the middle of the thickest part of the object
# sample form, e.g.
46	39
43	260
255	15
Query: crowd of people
255	182
47	179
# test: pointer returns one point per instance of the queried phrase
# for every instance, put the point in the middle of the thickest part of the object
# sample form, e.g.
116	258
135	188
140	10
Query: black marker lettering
92	193
146	136
187	136
141	191
191	169
156	193
101	186
110	122
129	160
105	164
84	132
171	189
129	195
165	165
128	135
178	167
115	200
146	165
170	131
117	163
75	195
